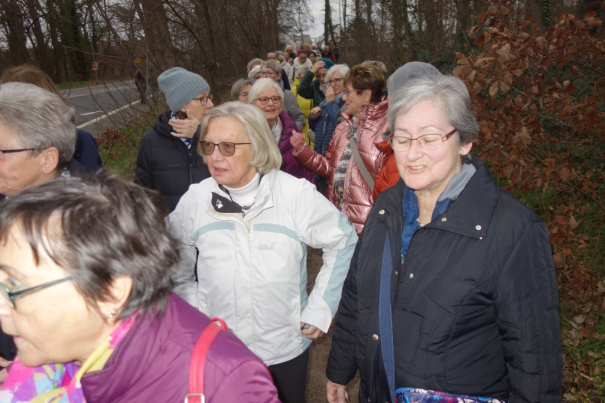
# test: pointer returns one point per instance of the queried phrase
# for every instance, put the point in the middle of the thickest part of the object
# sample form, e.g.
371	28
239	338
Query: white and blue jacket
252	267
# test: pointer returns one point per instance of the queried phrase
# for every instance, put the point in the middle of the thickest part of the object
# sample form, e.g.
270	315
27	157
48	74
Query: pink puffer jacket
357	198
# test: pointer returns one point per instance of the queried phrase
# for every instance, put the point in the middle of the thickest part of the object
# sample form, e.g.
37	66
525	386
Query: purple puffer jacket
152	363
289	163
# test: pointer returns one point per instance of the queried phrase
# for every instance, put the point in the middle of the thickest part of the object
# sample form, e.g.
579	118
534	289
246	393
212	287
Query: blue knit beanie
328	63
181	86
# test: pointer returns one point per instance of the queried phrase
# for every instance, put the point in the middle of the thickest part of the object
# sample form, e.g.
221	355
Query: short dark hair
99	228
304	51
367	77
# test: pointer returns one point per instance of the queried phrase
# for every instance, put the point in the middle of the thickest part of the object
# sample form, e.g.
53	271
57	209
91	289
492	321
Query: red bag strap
198	360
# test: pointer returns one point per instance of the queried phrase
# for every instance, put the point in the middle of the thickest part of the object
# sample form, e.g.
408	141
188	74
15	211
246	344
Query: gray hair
302	70
39	119
237	87
264	84
252	63
381	66
341	69
273	65
450	92
266	156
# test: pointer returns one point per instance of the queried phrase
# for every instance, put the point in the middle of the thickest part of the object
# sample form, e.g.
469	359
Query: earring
111	314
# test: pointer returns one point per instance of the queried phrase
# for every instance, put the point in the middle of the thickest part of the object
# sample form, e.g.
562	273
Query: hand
315	112
336	393
317	66
311	332
184	127
297	140
330	96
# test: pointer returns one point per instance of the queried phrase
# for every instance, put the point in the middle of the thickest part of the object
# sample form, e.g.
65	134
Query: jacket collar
163	128
470	215
262	201
370	112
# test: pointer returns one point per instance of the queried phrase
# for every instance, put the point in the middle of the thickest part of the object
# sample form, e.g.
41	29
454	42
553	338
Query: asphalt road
100	106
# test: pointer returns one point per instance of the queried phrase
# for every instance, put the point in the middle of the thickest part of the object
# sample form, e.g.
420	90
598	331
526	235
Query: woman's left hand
184	127
311	332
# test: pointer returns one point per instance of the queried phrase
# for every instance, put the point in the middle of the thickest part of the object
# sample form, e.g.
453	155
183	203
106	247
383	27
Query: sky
317	7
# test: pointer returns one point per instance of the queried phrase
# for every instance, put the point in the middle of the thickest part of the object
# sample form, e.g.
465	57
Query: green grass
73	84
119	149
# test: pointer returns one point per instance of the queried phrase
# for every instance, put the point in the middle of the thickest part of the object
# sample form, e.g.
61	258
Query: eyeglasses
204	100
243	94
265	100
226	149
266	73
345	93
335	81
321	75
426	142
271	58
2	152
11	296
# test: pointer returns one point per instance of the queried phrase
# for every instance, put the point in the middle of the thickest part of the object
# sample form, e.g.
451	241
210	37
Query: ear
119	291
50	160
368	96
465	149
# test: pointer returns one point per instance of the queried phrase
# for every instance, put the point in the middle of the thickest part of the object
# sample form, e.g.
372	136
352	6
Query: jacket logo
219	205
267	247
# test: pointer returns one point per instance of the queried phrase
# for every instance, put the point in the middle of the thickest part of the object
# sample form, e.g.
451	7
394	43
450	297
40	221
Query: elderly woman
324	118
85	277
167	161
86	155
240	90
267	95
251	224
271	69
463	298
36	146
352	162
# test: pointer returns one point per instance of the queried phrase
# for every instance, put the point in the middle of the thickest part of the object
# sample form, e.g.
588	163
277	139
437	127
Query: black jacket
165	164
474	306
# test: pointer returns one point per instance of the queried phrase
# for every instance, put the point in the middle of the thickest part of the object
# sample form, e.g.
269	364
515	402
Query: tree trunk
12	19
157	33
44	61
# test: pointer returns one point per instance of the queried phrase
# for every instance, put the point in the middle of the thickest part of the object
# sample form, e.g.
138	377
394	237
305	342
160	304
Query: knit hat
408	72
329	63
181	86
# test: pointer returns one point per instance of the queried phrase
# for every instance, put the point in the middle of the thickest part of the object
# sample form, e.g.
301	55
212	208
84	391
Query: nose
216	154
415	151
5	308
209	104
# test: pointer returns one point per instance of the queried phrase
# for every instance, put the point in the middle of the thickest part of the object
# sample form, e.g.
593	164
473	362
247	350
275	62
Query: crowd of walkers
191	283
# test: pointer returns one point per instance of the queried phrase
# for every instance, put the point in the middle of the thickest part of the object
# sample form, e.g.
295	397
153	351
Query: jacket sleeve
250	382
142	174
320	225
313	123
293	109
87	152
333	109
528	319
342	362
180	221
304	89
317	163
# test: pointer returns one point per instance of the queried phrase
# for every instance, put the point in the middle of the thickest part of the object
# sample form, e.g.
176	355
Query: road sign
137	60
95	66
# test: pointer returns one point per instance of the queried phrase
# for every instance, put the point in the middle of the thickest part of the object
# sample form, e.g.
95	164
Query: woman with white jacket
249	225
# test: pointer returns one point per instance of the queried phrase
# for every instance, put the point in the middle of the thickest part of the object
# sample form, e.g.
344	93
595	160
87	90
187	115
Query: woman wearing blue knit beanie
167	161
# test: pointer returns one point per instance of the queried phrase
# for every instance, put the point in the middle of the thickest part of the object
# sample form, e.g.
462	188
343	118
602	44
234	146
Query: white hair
264	84
341	69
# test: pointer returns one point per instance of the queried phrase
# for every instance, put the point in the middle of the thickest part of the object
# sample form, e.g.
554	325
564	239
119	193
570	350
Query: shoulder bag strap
198	360
360	165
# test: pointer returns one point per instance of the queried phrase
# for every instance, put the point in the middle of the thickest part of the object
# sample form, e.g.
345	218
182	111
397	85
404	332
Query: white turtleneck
245	195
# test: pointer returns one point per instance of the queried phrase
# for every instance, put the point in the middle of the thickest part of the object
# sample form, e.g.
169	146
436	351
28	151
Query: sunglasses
226	149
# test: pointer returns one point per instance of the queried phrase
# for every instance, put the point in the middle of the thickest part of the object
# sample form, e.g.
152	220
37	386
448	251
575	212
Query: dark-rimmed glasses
19	150
11	296
426	142
345	93
204	100
226	149
265	100
266	73
335	81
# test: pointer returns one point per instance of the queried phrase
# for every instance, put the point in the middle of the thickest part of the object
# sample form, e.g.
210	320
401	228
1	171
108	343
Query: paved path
99	106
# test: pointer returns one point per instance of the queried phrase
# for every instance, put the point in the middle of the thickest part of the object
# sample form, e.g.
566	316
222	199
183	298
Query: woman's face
428	171
271	109
337	83
196	107
266	72
233	171
243	94
354	100
54	324
312	57
332	43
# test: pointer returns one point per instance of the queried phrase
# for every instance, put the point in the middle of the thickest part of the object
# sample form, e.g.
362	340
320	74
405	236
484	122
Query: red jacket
389	174
357	199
